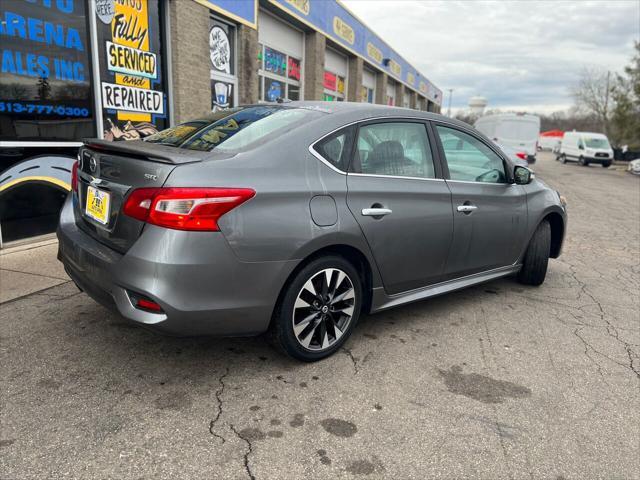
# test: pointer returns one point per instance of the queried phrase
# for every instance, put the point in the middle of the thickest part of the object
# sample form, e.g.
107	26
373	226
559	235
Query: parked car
516	130
586	148
297	218
634	167
517	157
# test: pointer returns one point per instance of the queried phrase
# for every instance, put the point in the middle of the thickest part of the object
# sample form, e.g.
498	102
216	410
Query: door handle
467	208
376	212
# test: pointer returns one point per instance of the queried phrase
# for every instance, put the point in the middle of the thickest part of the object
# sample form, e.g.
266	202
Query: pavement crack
34	274
218	394
37	292
354	360
247	465
611	329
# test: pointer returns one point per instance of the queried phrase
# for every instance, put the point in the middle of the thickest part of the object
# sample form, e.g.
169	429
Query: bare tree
592	95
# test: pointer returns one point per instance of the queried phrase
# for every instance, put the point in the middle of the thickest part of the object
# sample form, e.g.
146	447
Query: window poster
275	61
131	75
222	57
222	95
221	48
45	72
274	89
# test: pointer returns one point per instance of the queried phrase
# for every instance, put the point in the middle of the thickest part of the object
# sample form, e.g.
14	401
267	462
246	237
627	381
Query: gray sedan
297	218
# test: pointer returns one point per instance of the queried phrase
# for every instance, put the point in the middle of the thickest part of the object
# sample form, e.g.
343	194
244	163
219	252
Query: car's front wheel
563	158
536	258
318	309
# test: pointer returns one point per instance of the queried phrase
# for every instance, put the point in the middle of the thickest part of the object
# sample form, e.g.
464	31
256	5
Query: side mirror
581	146
523	175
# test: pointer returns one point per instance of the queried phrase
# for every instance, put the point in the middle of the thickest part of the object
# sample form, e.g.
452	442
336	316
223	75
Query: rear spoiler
146	151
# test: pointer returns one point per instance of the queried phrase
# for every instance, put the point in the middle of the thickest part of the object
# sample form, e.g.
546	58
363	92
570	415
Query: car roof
346	111
363	111
591	134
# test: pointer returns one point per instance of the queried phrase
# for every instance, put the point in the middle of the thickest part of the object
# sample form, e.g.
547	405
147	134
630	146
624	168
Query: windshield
596	142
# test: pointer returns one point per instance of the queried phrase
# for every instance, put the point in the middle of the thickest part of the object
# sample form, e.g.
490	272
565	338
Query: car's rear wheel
318	309
536	258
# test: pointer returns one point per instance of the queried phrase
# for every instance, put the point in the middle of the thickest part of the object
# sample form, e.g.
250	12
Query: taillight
74	176
184	208
522	155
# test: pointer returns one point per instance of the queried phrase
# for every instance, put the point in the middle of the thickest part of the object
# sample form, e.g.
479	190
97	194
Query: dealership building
125	69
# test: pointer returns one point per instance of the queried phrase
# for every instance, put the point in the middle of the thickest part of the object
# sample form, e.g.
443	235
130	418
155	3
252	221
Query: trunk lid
113	169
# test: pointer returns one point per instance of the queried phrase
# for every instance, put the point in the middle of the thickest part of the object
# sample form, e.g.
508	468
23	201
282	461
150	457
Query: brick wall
356	65
381	88
314	48
190	59
248	65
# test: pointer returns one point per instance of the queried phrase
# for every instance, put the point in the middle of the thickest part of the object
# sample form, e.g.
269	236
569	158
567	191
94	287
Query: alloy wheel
323	309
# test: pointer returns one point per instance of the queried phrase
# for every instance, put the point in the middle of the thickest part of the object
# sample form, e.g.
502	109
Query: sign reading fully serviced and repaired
129	60
132	99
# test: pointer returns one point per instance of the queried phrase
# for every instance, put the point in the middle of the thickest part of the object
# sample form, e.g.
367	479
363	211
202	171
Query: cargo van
586	148
519	131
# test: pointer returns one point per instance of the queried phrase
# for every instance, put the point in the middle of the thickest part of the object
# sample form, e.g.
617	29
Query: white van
519	131
586	148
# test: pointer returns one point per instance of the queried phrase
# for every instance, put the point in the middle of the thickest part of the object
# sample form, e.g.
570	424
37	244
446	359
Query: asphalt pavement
497	381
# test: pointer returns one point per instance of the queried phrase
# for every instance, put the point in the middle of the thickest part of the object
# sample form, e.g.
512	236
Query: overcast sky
520	55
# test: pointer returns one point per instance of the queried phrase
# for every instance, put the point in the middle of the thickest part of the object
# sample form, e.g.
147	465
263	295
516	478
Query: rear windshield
522	130
235	129
596	142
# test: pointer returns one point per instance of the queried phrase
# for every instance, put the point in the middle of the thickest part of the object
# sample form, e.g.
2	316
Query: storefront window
406	100
280	75
367	95
45	81
222	51
134	100
391	94
334	87
368	86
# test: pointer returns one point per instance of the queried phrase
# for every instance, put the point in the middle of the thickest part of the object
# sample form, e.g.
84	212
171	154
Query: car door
397	194
490	212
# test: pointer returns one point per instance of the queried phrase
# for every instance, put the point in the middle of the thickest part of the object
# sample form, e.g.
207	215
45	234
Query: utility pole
606	105
449	109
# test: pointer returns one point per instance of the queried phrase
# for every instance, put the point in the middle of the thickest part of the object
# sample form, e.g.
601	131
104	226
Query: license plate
98	203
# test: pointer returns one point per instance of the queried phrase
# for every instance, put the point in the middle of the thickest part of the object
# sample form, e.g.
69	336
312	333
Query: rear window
175	136
518	130
237	129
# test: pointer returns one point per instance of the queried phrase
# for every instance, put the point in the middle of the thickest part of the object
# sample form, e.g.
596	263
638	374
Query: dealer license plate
98	203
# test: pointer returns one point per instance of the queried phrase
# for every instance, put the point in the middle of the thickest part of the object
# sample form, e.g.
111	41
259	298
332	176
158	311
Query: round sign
220	50
105	10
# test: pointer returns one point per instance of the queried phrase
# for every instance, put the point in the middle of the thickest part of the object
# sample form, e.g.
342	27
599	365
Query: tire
319	336
606	164
536	258
563	158
583	162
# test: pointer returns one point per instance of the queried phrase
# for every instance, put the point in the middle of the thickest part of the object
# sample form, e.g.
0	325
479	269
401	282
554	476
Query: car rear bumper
195	277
